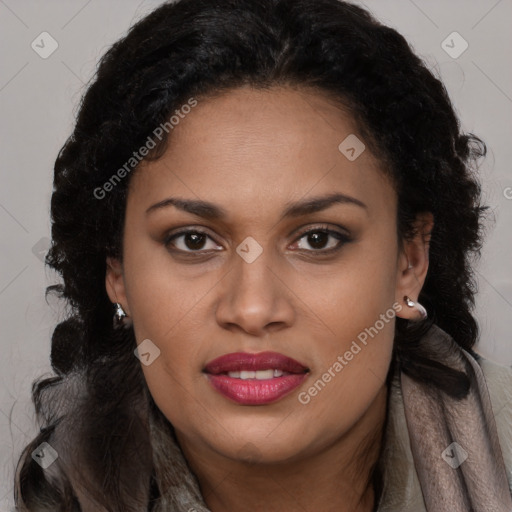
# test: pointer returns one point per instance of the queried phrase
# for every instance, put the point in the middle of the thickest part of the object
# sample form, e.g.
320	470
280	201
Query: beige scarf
424	470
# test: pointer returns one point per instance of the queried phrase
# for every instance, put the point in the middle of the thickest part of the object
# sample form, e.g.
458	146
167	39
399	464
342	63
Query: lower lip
253	391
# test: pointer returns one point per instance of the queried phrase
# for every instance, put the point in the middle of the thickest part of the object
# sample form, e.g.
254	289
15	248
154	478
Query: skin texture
253	152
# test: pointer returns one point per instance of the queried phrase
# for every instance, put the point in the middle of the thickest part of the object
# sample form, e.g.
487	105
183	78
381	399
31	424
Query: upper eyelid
319	227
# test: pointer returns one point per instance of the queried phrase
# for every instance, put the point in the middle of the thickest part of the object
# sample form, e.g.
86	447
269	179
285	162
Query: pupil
318	239
196	240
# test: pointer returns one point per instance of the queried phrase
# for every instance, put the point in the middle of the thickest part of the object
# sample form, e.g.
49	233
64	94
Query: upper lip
243	361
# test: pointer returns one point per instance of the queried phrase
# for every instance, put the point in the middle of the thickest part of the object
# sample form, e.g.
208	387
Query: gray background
38	99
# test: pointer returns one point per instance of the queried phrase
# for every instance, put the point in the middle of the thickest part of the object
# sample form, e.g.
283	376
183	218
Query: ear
114	283
413	265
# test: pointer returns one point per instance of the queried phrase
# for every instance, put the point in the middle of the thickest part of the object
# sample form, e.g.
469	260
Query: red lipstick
255	379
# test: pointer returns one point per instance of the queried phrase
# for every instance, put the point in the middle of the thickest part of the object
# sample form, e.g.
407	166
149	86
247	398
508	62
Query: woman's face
248	278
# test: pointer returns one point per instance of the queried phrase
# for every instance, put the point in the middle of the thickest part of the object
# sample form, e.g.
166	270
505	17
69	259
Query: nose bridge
252	279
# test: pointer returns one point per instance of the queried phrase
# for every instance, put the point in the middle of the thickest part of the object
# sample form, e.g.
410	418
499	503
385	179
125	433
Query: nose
255	298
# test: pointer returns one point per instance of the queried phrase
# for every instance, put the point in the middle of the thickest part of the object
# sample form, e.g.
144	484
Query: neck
337	479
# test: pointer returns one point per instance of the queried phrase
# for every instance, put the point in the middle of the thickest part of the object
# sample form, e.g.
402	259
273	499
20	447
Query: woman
274	202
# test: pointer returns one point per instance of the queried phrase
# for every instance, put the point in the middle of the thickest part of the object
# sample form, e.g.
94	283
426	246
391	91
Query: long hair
96	408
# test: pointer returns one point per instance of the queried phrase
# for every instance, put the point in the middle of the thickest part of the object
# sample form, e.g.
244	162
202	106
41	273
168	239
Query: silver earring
410	303
119	314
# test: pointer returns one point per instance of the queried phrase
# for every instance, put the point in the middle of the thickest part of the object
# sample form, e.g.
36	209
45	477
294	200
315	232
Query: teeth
258	375
264	374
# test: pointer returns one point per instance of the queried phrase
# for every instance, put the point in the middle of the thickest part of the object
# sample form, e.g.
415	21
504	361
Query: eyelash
341	237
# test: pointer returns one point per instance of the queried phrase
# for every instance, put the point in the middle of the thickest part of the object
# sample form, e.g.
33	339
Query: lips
255	379
242	361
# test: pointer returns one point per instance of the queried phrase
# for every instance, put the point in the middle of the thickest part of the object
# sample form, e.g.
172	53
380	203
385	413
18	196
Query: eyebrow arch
319	203
208	210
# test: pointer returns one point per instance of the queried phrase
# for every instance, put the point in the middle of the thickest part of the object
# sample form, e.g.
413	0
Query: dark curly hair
200	48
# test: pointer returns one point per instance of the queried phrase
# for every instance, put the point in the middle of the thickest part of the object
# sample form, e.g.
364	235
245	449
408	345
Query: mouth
250	366
255	379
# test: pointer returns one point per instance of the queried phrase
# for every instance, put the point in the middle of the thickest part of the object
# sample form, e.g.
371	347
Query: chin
259	448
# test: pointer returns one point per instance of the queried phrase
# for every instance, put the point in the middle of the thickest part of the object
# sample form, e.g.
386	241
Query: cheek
163	296
164	304
359	318
351	372
352	295
173	377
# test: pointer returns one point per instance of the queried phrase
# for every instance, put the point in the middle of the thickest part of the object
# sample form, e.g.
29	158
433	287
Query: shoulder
499	384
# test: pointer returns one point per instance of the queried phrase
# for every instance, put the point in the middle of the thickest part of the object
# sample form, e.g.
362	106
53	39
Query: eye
321	239
191	240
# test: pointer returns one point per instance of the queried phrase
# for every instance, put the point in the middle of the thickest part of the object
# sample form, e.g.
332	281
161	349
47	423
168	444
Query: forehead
252	149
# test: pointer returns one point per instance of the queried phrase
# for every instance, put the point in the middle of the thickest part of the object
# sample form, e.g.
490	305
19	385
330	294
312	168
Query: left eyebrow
209	210
317	204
